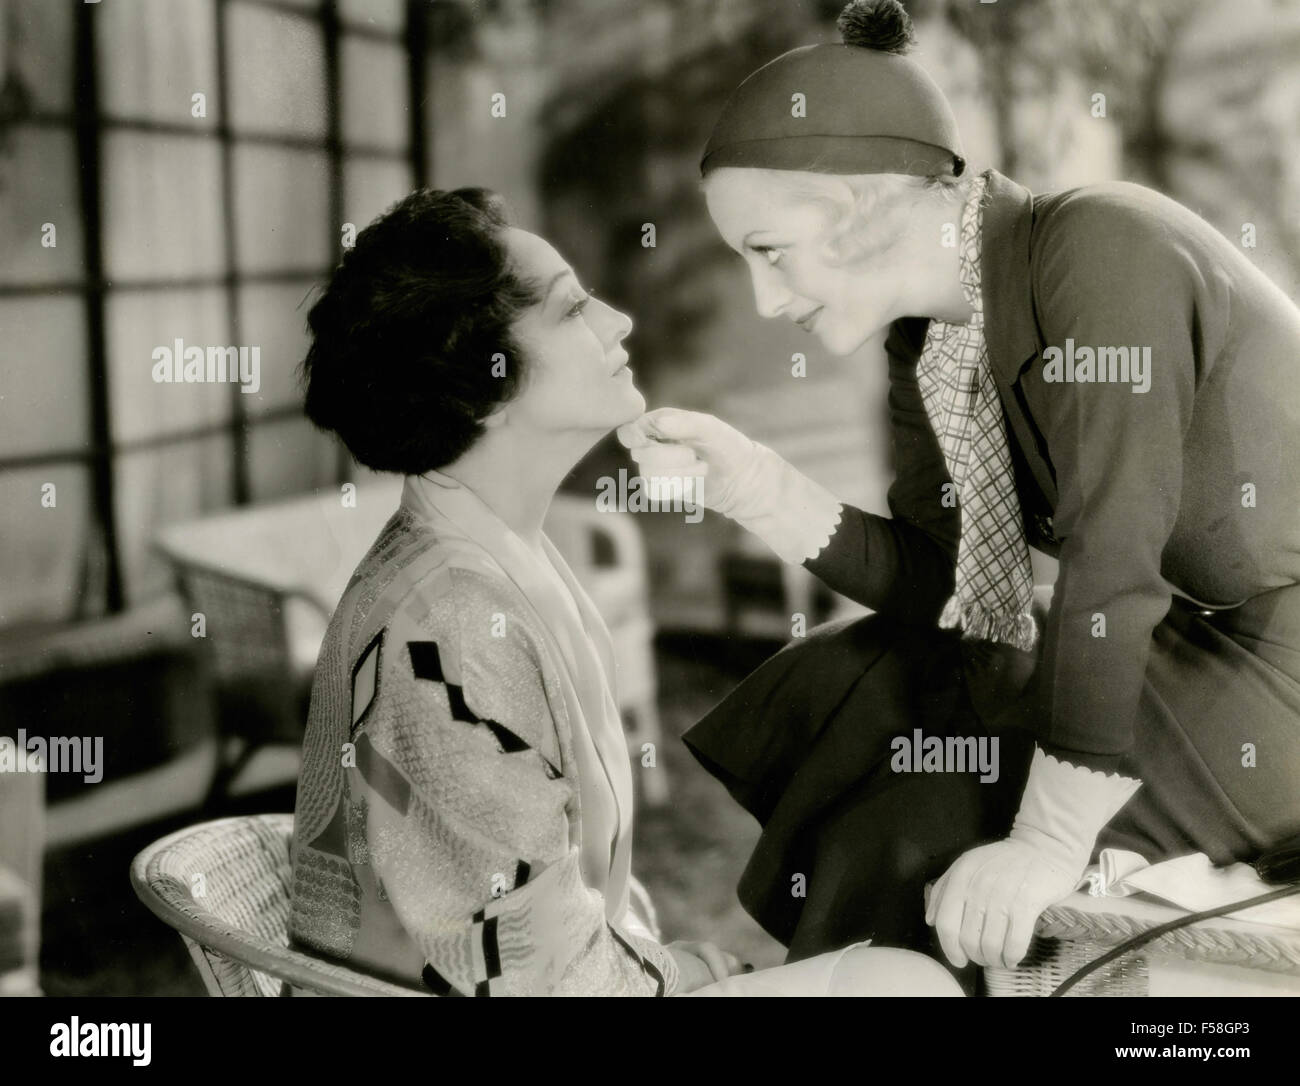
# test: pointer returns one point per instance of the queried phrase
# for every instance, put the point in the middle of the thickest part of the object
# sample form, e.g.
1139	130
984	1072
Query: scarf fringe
979	623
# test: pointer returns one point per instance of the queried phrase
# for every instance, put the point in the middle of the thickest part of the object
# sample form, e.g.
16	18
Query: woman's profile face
577	377
783	241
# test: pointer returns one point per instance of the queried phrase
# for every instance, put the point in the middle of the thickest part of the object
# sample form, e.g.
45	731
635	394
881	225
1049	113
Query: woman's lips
809	320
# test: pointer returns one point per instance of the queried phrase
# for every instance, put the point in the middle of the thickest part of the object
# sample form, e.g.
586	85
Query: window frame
88	124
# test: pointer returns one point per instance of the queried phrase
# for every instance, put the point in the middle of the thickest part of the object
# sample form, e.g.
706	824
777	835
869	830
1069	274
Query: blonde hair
867	212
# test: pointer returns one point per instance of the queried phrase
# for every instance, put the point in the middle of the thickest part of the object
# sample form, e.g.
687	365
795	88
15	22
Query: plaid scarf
995	582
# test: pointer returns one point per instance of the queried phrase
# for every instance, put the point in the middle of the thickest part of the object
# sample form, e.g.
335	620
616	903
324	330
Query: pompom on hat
867	107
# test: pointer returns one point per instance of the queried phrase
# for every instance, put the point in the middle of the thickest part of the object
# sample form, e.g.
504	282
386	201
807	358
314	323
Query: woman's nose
770	295
618	323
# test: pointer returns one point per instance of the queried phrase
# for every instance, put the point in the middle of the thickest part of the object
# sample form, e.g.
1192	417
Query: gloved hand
736	477
985	906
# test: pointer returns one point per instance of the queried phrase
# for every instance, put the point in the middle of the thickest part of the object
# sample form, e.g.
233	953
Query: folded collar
1010	330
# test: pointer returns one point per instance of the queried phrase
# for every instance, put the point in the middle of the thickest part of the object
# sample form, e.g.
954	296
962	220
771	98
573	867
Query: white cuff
789	512
1065	806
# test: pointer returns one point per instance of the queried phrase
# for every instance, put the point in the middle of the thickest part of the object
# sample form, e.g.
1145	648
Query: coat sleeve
466	813
903	565
1108	274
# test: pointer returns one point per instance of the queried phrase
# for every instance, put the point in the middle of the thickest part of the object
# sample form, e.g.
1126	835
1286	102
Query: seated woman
463	821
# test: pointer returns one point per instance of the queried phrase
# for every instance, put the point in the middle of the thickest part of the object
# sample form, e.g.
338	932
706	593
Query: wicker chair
261	676
266	578
224	886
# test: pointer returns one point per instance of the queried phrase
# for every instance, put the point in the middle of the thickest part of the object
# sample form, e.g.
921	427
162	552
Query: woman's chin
635	402
842	342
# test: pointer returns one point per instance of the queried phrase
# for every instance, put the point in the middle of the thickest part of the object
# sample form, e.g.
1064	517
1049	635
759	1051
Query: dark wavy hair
404	336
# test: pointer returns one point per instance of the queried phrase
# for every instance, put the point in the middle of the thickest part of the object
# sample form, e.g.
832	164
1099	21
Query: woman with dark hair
463	821
1095	373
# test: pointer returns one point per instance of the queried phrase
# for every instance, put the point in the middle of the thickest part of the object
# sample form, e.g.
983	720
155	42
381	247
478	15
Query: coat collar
1009	327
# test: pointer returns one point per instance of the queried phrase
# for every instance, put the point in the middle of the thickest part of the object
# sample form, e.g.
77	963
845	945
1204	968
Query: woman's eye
578	306
772	256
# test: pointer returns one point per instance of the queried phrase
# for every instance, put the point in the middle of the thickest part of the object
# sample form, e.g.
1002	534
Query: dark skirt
807	745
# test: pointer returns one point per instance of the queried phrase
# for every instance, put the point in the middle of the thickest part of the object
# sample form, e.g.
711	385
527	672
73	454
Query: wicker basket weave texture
1051	961
1275	950
246	626
224	886
1068	937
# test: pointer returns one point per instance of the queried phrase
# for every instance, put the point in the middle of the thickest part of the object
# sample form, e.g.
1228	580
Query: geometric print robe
438	820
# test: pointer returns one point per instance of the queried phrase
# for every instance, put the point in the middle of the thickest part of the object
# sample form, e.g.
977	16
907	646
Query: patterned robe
438	829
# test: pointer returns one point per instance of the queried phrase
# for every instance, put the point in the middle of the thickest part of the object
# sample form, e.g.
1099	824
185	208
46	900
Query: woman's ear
874	217
847	205
497	417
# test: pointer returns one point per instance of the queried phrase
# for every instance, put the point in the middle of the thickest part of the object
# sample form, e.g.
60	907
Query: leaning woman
1095	373
463	822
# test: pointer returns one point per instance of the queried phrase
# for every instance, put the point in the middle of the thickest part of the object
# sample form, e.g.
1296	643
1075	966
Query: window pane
39	52
289	457
281	209
374	93
154	487
370	186
44	406
40	548
495	152
137	322
275	319
153	55
38	184
162	201
276	71
380	14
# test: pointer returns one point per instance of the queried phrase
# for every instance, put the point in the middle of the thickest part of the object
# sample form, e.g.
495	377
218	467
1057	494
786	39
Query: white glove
747	481
1065	806
985	906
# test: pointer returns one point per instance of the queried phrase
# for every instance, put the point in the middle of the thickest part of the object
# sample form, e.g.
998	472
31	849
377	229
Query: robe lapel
575	632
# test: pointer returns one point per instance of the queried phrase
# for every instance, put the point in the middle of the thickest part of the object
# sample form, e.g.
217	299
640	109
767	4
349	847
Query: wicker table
1222	956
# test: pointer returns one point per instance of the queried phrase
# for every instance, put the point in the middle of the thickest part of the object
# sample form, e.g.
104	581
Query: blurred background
189	169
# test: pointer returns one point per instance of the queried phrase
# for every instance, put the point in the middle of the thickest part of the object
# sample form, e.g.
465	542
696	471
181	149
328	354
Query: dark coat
1189	489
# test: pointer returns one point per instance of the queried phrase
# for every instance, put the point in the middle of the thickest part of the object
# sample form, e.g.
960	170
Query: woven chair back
224	886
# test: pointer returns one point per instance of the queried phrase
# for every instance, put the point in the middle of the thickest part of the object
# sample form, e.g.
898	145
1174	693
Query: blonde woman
1095	373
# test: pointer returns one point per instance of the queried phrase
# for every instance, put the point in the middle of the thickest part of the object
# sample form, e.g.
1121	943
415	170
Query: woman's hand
701	964
985	906
746	481
670	442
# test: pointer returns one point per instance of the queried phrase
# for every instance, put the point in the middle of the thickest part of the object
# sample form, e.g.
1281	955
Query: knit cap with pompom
852	108
883	25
